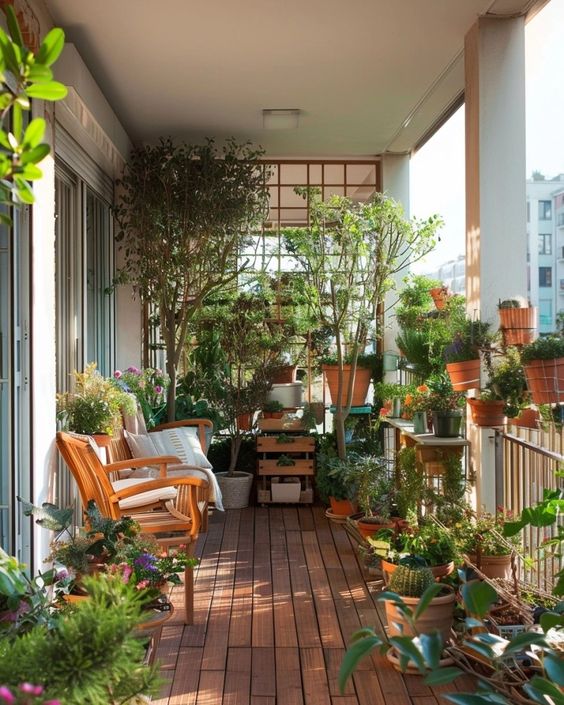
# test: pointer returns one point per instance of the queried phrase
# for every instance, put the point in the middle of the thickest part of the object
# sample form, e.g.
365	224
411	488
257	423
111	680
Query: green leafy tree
183	214
350	255
24	75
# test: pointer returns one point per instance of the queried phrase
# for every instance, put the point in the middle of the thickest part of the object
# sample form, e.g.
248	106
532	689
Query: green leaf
554	667
441	676
51	47
47	91
33	133
548	620
24	192
431	592
510	528
35	155
478	598
353	655
39	74
431	646
470	699
523	641
17	121
405	647
11	60
30	172
539	687
482	649
4	140
5	219
13	25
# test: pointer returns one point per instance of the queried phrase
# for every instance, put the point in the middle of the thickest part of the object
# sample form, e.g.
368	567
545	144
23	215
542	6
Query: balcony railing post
499	469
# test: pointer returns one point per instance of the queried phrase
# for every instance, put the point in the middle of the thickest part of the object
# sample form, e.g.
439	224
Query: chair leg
189	596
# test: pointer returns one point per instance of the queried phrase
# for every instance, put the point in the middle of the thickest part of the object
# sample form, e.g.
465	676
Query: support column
496	238
395	180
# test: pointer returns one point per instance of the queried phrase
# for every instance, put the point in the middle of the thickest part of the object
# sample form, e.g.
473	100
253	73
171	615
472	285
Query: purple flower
6	695
134	370
158	389
61	574
117	374
146	561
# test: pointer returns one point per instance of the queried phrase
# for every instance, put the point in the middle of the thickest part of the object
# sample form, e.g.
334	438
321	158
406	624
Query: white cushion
182	442
150	497
140	445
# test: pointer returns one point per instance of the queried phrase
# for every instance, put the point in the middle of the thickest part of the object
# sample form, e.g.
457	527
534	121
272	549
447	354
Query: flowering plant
26	694
95	405
417	401
149	386
486	533
143	564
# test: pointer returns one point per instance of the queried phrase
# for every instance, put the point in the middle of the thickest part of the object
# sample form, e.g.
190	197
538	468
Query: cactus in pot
411	580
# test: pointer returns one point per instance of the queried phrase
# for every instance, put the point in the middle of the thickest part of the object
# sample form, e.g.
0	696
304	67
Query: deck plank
279	592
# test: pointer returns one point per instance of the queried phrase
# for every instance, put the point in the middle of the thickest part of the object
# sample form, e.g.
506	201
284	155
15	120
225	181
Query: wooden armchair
165	507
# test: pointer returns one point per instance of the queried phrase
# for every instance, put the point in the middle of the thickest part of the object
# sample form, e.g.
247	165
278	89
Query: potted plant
482	540
272	410
393	396
518	323
462	356
416	407
95	406
149	386
349	256
506	392
333	481
239	384
487	410
543	362
374	493
416	605
445	406
429	541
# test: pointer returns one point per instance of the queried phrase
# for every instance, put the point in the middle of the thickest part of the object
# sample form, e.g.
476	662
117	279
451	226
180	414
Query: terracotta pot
487	413
369	528
464	375
244	422
518	325
361	383
102	440
528	418
438	615
272	415
545	380
493	566
439	571
285	374
440	296
341	507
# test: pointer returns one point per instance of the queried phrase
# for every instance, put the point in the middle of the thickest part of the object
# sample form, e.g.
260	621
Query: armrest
184	422
157	485
143	462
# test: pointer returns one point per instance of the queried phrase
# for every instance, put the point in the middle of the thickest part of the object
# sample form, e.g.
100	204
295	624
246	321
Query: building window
545	210
545	276
545	244
545	312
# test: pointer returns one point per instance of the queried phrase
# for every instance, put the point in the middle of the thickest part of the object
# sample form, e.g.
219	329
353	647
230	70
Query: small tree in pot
240	382
349	256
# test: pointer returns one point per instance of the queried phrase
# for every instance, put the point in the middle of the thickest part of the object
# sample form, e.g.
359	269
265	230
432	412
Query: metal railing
526	463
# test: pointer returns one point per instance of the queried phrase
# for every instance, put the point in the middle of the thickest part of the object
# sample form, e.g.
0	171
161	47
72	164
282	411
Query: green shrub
549	347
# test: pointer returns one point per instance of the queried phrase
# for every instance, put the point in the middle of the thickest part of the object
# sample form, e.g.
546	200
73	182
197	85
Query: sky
437	169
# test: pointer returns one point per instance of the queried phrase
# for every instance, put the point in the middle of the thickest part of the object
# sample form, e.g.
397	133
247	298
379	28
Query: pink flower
117	374
127	570
31	689
134	370
142	584
158	389
6	695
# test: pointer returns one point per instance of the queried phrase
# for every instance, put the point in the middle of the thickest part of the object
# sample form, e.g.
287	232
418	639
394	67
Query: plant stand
280	482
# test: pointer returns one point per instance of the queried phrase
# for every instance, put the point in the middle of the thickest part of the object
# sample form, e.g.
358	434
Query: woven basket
235	490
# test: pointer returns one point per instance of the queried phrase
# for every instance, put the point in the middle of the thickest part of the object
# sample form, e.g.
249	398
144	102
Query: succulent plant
411	580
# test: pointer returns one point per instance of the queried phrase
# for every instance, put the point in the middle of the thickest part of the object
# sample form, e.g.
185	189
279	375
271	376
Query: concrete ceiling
368	75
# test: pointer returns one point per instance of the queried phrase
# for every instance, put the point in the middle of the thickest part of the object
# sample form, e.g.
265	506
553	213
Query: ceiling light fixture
280	118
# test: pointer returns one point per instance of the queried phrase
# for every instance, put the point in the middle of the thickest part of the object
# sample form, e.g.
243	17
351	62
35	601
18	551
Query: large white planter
235	490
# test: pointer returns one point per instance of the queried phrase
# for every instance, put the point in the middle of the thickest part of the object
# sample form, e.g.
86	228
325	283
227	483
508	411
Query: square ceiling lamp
280	119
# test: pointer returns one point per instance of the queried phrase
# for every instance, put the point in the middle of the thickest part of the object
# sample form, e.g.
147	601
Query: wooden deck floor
278	593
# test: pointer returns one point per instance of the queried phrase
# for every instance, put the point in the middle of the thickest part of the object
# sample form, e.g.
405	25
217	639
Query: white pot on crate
290	395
